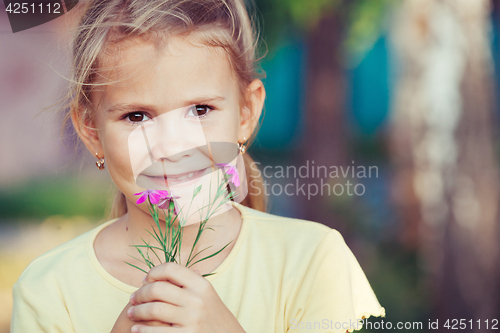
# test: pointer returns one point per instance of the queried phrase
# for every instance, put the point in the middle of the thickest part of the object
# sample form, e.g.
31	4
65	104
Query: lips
179	178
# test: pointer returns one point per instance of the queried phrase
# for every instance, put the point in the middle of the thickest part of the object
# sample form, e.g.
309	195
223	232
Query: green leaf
134	257
136	267
207	257
205	275
149	246
155	236
191	259
149	263
196	191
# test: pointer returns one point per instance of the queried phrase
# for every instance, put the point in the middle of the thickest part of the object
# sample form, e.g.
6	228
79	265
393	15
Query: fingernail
129	311
134	329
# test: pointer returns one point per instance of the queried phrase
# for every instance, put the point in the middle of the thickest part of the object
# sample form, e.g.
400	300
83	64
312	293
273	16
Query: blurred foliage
397	282
281	20
42	197
305	14
364	21
367	21
394	272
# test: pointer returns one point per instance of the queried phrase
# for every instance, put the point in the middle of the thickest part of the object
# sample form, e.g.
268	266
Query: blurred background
406	89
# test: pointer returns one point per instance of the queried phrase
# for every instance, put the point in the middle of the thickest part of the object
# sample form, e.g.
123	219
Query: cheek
117	155
223	127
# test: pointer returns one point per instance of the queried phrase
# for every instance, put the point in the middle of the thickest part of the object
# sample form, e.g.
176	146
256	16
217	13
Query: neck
137	223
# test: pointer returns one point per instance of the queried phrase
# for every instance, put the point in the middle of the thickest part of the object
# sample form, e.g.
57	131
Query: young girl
187	67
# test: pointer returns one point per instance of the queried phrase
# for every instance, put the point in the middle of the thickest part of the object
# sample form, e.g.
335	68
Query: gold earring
100	162
242	147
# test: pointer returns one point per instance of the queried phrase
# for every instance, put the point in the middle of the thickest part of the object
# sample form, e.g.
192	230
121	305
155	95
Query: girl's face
174	112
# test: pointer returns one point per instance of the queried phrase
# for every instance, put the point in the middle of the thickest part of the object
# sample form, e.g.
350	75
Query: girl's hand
174	294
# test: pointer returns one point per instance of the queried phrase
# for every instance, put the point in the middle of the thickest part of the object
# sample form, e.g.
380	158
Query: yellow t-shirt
282	275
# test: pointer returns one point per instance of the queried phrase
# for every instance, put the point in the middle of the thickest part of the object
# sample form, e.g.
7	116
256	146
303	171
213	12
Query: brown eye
199	111
137	117
202	110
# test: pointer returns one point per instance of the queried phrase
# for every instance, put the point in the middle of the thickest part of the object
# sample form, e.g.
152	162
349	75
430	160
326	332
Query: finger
159	291
152	329
155	311
154	323
157	323
197	272
175	273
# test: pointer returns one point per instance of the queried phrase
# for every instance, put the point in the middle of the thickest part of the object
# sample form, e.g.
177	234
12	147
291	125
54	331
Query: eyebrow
127	107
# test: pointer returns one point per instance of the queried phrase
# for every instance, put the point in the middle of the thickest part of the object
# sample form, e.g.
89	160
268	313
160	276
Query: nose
173	137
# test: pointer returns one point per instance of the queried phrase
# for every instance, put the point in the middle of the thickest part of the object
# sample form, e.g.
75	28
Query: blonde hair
221	23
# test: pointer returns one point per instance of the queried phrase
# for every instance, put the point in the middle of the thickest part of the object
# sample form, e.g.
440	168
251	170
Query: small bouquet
170	238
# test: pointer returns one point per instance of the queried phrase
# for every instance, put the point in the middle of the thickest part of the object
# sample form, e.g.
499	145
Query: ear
86	131
254	102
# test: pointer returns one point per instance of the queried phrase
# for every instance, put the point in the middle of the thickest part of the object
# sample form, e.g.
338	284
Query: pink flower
154	196
231	170
165	203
